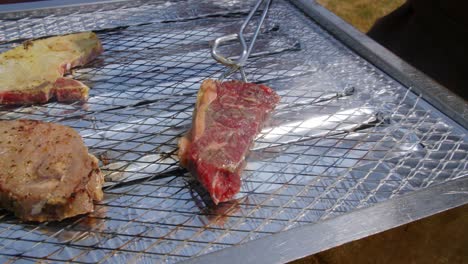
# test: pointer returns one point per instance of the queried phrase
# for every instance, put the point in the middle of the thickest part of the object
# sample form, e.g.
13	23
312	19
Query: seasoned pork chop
33	72
226	119
46	172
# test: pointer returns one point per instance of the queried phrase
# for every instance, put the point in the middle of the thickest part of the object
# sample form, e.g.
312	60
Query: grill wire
344	136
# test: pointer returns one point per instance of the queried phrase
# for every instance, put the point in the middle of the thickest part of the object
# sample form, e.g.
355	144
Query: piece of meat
46	172
226	119
33	72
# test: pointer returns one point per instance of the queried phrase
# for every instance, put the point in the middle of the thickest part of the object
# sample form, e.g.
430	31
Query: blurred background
362	14
430	35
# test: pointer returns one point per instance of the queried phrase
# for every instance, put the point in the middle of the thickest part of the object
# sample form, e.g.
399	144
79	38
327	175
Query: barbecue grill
360	143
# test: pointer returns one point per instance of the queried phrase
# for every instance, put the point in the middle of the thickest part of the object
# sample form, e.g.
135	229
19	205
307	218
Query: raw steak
33	72
46	172
226	119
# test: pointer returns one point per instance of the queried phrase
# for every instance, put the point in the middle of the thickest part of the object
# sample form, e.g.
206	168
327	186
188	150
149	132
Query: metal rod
246	49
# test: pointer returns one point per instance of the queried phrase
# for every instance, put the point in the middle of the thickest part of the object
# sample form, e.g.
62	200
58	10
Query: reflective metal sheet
345	135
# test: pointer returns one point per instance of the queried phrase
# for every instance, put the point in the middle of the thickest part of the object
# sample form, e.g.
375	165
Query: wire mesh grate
344	136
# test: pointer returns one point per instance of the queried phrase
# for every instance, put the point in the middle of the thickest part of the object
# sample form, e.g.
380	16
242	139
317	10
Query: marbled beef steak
226	119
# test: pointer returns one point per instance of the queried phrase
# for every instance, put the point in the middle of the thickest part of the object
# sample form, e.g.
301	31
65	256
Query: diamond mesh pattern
344	136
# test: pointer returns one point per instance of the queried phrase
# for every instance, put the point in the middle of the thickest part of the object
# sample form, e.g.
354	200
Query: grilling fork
238	65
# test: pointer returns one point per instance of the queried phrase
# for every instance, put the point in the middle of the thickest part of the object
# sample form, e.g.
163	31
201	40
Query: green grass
361	13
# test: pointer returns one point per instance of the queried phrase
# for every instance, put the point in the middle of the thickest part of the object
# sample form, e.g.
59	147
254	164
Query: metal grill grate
344	136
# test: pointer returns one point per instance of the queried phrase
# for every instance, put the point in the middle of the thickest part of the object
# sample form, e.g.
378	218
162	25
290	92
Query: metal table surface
360	143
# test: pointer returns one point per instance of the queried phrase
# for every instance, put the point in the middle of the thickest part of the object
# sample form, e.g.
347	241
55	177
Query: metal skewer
238	65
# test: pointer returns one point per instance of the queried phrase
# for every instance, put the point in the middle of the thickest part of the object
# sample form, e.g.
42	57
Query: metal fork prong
243	75
228	73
